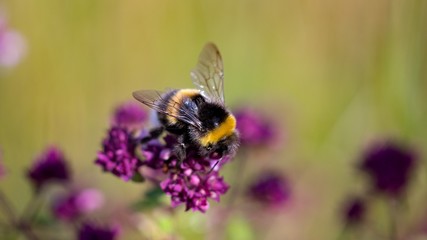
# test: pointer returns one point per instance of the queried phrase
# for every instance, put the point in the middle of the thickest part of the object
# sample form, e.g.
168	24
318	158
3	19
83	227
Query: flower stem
20	226
238	177
393	204
32	207
7	208
343	232
27	231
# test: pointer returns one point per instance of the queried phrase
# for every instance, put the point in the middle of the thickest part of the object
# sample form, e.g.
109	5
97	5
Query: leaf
238	228
137	178
152	198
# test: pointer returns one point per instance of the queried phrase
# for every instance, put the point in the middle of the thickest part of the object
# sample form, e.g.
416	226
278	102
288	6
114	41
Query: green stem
7	208
238	176
32	207
343	233
393	204
20	226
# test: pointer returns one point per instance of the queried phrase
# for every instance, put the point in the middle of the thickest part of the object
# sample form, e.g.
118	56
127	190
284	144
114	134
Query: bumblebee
198	117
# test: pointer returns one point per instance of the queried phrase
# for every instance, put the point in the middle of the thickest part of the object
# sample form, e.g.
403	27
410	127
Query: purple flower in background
12	45
270	189
389	167
90	231
118	154
129	115
254	129
51	166
77	203
354	211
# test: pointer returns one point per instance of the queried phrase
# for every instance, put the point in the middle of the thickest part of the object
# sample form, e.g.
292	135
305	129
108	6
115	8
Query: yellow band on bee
176	101
225	129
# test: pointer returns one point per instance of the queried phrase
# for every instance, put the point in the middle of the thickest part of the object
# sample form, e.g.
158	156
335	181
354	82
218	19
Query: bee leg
152	134
156	132
180	149
180	152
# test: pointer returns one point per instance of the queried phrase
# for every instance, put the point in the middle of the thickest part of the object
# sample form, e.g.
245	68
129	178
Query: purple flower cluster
51	166
389	167
190	182
354	210
270	189
118	154
254	129
77	203
89	231
129	115
157	153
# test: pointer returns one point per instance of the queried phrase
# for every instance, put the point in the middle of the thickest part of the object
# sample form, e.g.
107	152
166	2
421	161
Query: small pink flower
13	46
77	203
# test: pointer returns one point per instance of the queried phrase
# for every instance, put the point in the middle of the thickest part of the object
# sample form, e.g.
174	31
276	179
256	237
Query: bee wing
208	75
154	99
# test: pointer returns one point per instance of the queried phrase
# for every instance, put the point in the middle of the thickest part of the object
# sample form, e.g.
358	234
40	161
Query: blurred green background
336	75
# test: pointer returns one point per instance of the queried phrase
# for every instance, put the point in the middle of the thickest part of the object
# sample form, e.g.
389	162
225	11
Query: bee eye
209	147
215	121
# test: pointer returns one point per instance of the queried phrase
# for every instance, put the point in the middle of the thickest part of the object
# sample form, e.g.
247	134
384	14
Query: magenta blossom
118	154
89	231
354	210
77	203
254	128
51	166
389	167
270	189
129	115
191	182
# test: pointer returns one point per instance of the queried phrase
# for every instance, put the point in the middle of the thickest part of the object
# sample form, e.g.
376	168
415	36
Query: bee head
226	146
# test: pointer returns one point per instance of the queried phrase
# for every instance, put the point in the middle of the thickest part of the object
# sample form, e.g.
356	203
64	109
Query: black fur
177	128
212	115
226	146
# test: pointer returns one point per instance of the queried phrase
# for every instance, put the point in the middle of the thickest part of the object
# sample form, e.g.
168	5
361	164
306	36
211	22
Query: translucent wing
155	100
208	75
